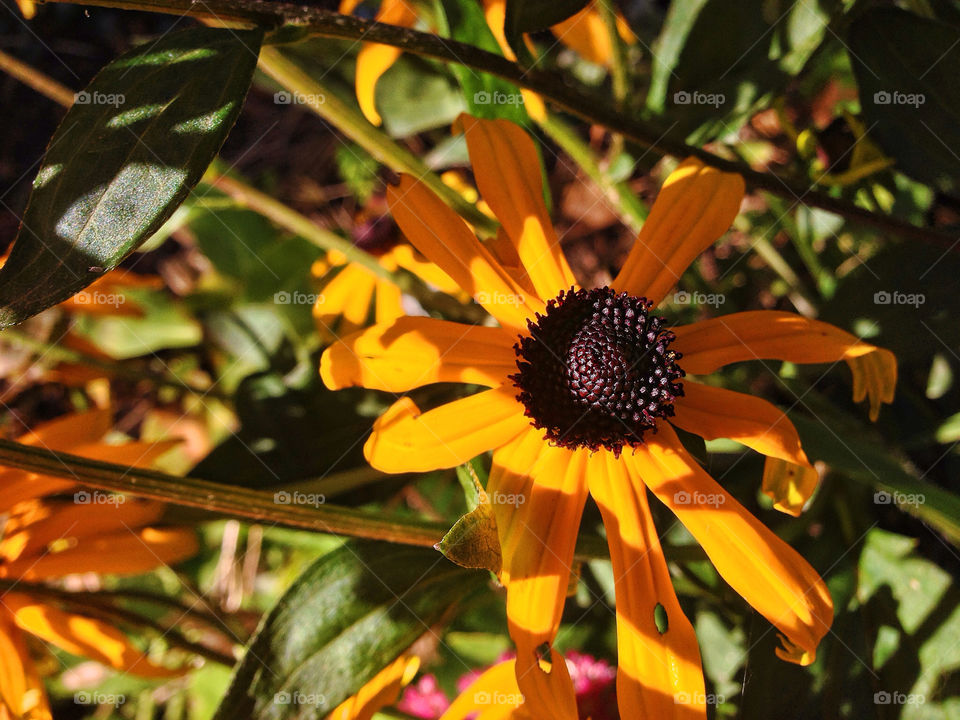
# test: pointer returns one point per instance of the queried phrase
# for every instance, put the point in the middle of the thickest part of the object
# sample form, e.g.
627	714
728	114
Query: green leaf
126	154
707	88
525	16
346	618
486	95
473	541
851	450
906	69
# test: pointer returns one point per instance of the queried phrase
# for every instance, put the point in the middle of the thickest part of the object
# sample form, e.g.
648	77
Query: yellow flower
585	402
45	538
584	32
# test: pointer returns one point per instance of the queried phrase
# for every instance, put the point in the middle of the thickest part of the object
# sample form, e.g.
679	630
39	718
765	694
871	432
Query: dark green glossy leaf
348	616
907	68
128	152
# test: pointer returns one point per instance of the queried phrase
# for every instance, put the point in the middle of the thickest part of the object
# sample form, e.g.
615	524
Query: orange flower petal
82	635
120	553
694	208
404	440
406	257
538	493
492	696
765	570
416	351
773	335
586	33
344	304
374	59
713	412
22	694
389	303
443	237
790	486
69	430
68	520
19	486
658	675
379	692
507	169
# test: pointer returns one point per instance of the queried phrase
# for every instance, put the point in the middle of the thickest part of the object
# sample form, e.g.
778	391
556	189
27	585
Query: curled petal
382	690
375	59
766	571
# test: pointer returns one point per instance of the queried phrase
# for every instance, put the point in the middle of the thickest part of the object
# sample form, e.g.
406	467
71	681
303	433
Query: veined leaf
347	617
127	153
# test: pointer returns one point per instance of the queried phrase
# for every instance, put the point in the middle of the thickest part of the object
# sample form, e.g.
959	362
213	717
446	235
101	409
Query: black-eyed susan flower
585	32
584	388
45	538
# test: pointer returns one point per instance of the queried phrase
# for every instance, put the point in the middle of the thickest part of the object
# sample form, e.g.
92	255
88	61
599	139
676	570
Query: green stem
618	60
298	22
354	125
632	211
237	502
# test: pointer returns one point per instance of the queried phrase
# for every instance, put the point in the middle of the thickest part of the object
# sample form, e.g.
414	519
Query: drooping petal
70	430
507	169
713	412
416	351
538	493
119	553
696	205
379	692
22	695
789	485
444	238
344	305
406	440
375	59
494	695
74	522
658	674
774	335
82	635
761	567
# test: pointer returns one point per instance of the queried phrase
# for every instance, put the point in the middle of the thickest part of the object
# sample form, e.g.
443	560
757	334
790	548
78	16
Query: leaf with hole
126	154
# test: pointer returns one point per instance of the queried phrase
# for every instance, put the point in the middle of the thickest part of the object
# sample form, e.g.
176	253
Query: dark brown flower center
595	370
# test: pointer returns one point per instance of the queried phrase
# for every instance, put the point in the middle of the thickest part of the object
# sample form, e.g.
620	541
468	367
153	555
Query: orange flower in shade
584	389
584	32
45	538
381	691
